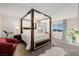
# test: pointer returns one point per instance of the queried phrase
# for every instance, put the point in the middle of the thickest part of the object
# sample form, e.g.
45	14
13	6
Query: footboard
40	44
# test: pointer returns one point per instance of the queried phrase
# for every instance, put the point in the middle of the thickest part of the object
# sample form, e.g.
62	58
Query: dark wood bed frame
39	44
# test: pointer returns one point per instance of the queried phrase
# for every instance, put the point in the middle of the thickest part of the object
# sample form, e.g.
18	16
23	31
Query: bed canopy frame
32	26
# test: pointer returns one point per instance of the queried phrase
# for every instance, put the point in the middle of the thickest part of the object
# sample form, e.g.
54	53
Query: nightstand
18	37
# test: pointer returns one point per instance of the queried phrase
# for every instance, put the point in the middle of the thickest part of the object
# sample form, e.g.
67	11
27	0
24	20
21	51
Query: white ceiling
55	10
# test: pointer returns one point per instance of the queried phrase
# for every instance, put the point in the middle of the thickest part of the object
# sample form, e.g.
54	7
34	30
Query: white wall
73	22
9	24
68	11
0	25
56	10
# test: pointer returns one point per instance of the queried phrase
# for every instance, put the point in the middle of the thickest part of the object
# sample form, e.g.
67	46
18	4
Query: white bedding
40	37
37	38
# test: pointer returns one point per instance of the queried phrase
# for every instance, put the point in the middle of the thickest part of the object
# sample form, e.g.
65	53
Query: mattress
37	38
40	37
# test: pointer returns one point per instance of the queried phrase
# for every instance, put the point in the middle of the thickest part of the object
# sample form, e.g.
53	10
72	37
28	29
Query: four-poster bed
36	29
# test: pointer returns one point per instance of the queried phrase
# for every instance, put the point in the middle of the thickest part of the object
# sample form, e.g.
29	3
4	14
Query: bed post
21	26
50	30
32	30
21	29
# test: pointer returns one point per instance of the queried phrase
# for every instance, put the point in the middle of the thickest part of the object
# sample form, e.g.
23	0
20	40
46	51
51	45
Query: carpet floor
57	48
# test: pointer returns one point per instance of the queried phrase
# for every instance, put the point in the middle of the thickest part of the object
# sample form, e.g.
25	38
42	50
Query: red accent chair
7	46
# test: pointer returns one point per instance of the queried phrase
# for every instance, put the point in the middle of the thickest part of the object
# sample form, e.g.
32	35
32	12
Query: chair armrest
6	45
11	40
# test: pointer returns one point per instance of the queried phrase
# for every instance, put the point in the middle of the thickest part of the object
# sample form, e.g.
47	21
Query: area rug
54	51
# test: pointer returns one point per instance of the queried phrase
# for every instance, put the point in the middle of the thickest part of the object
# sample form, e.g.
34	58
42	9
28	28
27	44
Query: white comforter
37	38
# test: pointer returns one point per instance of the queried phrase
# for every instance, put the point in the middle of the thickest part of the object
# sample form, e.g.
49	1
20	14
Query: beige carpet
54	51
20	50
69	49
